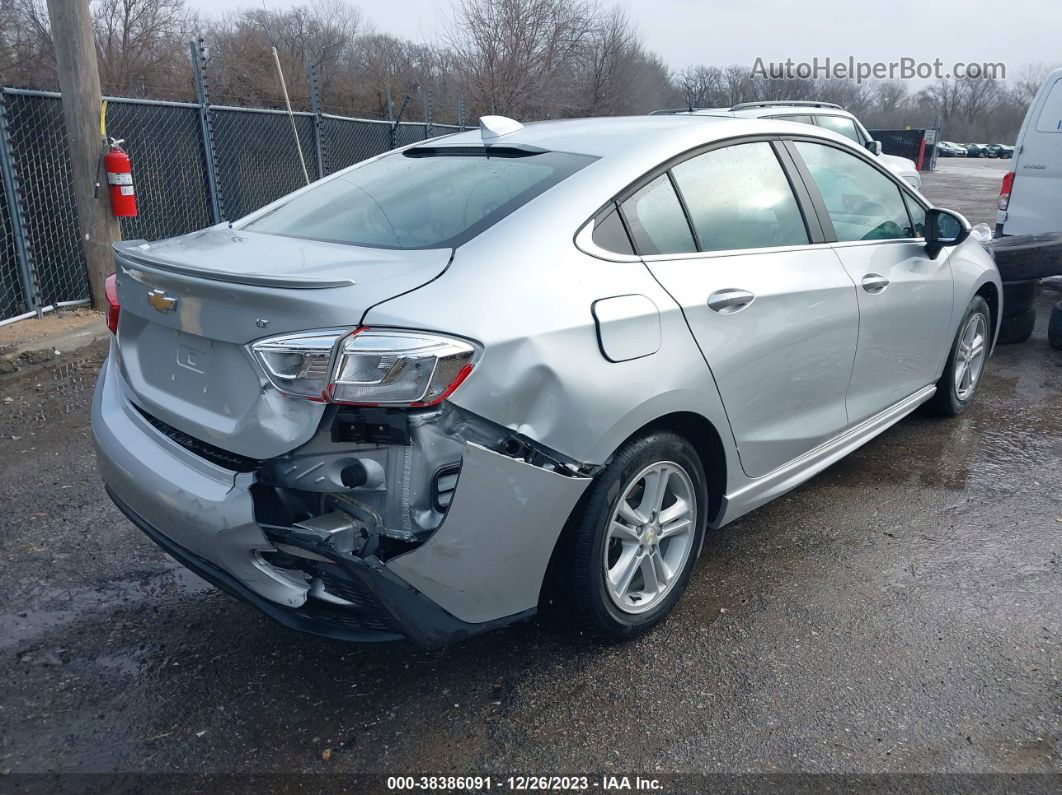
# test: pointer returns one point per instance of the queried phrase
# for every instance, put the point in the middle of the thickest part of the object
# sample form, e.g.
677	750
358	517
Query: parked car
386	405
976	150
1001	151
1030	200
826	115
949	149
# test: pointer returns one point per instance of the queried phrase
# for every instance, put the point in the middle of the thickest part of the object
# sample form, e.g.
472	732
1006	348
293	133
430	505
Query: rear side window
656	220
863	203
842	125
427	199
610	235
739	197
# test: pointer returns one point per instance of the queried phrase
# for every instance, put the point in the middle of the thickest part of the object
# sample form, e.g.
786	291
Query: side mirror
944	228
875	147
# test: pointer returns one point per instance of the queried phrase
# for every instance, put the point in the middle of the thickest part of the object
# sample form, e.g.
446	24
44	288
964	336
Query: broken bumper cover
481	569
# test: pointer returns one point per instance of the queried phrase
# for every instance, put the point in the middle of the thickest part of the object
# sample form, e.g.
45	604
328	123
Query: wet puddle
59	606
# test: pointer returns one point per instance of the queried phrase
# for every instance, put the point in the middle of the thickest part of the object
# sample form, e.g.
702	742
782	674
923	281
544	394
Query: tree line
529	59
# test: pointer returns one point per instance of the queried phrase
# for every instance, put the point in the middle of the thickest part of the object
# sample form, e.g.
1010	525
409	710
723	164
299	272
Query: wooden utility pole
79	81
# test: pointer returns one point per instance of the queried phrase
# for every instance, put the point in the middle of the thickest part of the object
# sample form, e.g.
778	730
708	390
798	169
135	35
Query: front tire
965	365
637	537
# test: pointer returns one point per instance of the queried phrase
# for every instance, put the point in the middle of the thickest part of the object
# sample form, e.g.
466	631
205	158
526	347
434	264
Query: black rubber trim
812	220
215	455
422	622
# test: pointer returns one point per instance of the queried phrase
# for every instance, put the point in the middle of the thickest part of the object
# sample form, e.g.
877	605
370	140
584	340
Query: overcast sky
722	32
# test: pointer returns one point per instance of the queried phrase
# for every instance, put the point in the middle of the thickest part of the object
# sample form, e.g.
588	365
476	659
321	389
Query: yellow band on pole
103	120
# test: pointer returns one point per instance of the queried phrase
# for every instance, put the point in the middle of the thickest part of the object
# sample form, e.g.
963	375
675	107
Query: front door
905	298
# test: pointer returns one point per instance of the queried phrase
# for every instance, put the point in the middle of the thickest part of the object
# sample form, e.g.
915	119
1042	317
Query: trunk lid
191	305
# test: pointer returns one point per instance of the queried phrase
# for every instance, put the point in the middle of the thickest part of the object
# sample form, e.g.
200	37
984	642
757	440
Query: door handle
874	283
726	302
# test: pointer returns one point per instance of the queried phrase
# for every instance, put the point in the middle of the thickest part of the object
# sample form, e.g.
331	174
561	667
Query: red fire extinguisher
120	180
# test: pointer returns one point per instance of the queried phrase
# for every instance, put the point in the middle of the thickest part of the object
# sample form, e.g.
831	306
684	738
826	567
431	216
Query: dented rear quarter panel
543	373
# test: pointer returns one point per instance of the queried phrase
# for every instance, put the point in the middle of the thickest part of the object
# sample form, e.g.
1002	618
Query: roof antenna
497	126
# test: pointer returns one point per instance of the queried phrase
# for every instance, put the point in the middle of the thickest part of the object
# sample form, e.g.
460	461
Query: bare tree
531	59
612	73
1029	81
703	86
944	97
322	34
513	52
27	54
139	46
738	85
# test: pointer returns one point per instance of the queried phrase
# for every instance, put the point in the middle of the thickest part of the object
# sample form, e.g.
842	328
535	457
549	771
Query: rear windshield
427	197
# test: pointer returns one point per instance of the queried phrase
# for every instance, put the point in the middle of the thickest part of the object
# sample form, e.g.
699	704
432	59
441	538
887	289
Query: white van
1031	199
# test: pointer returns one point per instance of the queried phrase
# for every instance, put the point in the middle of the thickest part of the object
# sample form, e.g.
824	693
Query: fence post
425	104
318	137
391	116
206	129
395	121
461	114
12	195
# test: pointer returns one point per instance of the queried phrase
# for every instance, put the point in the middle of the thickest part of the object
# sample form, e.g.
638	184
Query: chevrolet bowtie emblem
161	301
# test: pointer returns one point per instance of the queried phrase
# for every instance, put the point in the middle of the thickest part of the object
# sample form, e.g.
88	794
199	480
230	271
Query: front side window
842	125
863	203
918	216
432	198
656	220
738	197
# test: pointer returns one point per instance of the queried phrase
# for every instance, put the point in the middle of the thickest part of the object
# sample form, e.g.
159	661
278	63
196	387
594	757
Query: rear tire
617	585
1022	257
1054	327
969	353
1019	296
1018	328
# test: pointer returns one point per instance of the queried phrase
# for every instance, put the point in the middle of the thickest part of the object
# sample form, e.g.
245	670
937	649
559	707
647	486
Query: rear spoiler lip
127	250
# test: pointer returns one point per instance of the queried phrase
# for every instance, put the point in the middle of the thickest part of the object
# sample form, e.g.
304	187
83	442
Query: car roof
652	136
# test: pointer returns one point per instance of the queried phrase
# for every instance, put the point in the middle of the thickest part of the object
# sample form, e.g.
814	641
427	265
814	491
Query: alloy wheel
650	537
970	357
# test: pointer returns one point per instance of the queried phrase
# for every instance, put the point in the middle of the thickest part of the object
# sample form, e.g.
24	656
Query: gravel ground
970	187
901	612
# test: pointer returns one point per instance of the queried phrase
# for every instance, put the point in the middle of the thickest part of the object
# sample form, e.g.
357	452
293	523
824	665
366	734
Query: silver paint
565	368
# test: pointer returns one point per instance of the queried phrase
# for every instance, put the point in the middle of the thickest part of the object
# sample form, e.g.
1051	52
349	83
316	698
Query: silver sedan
406	400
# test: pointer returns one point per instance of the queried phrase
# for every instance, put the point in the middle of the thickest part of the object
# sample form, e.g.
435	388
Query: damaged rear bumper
482	568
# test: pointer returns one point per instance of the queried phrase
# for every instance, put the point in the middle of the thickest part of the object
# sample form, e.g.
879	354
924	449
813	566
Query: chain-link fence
190	169
10	288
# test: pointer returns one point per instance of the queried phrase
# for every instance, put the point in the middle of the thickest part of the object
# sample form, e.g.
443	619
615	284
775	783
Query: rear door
1035	204
905	298
773	311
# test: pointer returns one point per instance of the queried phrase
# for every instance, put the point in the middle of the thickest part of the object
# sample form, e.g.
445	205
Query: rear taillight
299	364
367	367
1005	191
110	289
